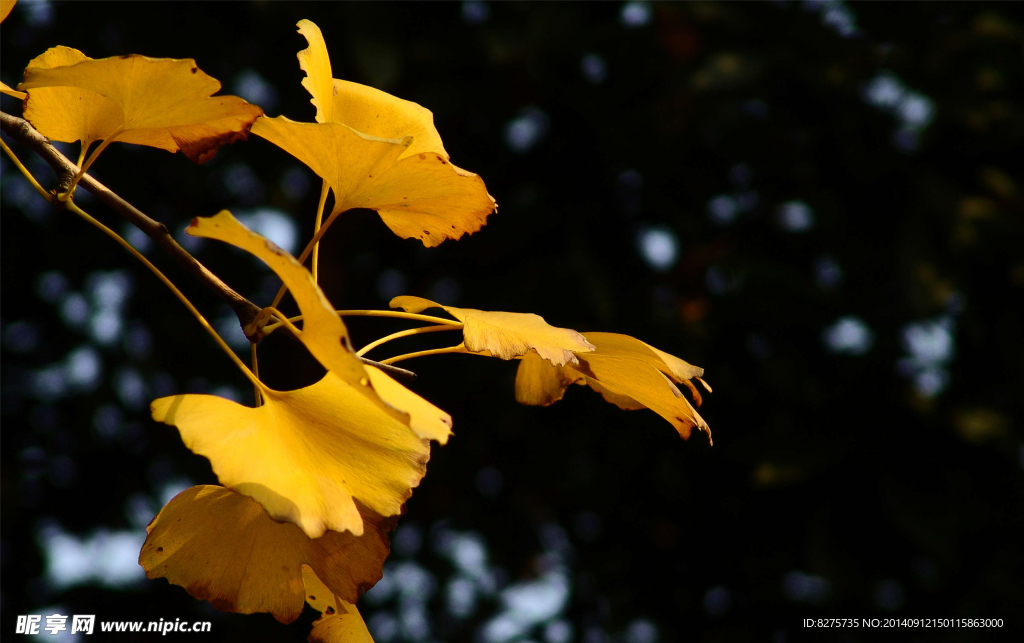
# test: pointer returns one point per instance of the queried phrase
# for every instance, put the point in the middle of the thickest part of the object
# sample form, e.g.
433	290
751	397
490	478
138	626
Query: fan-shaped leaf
421	196
627	373
323	333
158	102
222	547
305	455
364	109
308	455
508	335
67	113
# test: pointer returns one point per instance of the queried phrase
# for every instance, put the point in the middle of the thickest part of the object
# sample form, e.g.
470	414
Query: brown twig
22	131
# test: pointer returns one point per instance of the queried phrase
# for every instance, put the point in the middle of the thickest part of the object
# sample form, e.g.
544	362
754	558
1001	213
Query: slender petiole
316	228
92	159
256	372
434	351
305	253
28	175
405	333
167	282
399	314
287	323
269	328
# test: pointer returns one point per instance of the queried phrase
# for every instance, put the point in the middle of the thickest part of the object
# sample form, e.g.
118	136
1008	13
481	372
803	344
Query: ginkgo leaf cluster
312	480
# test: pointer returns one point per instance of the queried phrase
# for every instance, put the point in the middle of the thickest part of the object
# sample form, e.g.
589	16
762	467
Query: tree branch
22	131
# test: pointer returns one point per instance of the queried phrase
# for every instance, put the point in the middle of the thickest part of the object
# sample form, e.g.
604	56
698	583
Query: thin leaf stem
256	373
92	159
28	175
434	351
22	131
269	328
305	253
405	333
316	228
167	282
287	323
399	314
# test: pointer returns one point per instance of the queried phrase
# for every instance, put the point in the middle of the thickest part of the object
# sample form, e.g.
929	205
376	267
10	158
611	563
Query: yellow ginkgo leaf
222	547
508	335
343	627
422	196
340	621
319	80
5	9
324	334
371	111
158	102
627	373
426	420
364	109
678	370
308	456
69	113
539	383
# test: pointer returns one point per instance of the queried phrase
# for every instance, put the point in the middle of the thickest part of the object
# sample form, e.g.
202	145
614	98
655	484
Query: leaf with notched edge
422	196
308	456
626	371
340	621
364	109
508	335
379	152
323	333
222	547
157	102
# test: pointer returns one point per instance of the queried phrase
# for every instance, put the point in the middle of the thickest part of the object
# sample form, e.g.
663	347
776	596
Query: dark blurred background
815	201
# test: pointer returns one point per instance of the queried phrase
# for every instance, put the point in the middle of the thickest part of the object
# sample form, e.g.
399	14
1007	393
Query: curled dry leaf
308	456
508	335
158	102
222	547
626	371
379	152
340	621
